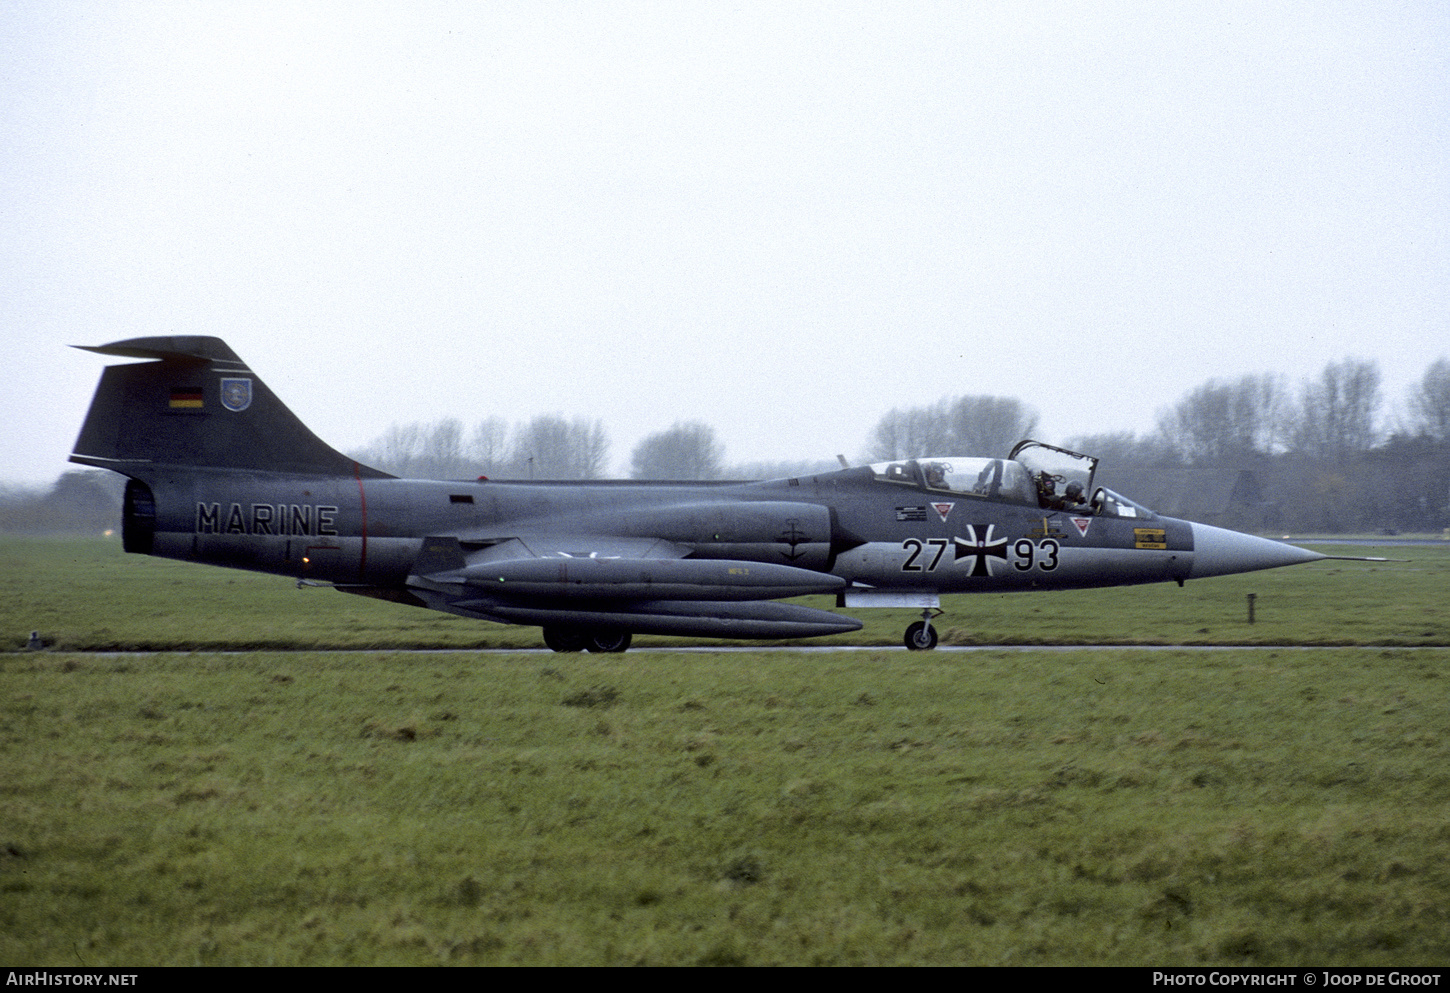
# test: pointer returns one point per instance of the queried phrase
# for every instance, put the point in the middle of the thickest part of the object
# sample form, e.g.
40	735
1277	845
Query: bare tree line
1254	453
81	501
549	447
546	447
975	425
1334	415
1331	416
1251	452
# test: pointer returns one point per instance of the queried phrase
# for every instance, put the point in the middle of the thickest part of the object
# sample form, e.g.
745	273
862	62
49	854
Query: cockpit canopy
991	479
1034	475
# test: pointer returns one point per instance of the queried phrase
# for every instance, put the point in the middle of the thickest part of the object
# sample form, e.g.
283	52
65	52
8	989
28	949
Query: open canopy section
989	479
1063	478
1058	464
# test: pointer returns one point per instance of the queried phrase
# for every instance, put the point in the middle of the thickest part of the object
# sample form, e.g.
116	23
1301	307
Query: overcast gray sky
780	218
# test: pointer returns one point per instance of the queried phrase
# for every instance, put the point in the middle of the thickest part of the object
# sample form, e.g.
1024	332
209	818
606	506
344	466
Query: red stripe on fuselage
362	562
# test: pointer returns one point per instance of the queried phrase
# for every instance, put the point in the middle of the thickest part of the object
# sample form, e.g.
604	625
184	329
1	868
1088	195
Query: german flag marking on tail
186	398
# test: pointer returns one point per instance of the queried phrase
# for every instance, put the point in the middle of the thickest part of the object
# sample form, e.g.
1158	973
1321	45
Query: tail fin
200	406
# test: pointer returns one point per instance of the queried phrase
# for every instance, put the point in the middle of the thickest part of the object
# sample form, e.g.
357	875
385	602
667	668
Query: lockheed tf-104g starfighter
220	471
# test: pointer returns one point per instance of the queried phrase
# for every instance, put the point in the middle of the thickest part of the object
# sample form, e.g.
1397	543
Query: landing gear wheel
921	637
609	641
565	639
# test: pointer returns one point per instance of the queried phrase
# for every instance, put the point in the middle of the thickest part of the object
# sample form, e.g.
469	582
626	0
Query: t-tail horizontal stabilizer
196	406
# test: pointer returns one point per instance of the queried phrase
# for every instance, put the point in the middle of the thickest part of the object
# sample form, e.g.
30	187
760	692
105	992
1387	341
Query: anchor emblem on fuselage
793	536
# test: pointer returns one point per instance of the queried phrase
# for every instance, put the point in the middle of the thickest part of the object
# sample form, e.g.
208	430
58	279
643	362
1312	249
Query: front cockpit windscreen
991	479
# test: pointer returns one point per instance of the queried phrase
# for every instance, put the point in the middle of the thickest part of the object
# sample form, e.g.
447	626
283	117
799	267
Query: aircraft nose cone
1219	552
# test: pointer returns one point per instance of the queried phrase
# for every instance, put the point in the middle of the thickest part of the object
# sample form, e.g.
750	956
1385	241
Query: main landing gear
921	636
574	640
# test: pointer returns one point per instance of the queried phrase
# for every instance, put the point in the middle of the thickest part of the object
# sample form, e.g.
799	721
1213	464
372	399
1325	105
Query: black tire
565	639
610	641
920	637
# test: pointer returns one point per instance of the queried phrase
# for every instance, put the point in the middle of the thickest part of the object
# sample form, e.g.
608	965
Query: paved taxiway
807	649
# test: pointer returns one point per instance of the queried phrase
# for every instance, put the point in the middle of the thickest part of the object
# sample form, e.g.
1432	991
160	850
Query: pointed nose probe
1221	552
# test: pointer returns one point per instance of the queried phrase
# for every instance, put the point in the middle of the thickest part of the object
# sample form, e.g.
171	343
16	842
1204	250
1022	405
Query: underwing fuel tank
705	619
648	579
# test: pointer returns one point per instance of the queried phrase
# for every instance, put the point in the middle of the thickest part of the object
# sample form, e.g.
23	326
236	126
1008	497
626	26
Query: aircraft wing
578	547
448	555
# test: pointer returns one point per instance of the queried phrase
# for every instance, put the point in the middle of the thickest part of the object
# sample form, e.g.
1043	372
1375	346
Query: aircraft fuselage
370	531
222	472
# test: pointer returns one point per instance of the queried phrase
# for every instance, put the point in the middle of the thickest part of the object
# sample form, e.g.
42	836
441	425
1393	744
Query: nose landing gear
921	636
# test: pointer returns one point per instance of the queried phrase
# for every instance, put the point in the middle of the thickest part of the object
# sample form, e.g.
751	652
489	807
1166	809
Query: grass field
87	595
1243	806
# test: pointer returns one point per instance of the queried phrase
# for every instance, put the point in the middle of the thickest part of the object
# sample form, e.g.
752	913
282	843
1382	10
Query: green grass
1260	806
87	595
1016	807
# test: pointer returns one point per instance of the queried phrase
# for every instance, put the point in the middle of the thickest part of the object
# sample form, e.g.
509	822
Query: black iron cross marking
980	549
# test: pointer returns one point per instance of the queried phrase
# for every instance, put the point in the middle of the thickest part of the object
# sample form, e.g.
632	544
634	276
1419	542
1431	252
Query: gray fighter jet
220	471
